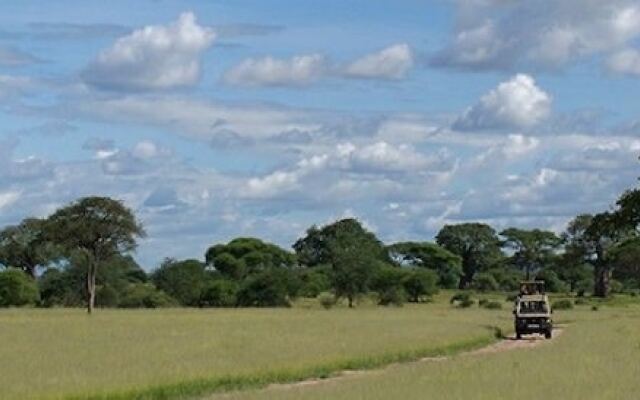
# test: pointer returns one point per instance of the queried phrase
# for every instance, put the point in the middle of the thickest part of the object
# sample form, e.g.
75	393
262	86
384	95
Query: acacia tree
24	246
94	229
477	244
531	247
447	265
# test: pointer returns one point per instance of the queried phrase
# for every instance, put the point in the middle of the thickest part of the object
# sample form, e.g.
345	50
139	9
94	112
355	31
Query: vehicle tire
547	334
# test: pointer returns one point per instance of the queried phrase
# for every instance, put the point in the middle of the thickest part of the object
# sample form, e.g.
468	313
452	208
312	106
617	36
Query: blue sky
224	118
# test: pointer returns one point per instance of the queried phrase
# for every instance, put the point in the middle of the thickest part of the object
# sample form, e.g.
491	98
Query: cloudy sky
225	118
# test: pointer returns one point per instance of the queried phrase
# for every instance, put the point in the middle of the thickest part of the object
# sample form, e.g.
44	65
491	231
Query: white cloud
625	61
153	57
8	198
548	33
516	103
13	57
391	63
269	71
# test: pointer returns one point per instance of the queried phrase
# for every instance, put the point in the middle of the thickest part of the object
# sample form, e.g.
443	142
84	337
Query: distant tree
244	256
94	229
476	244
626	258
420	283
314	281
316	247
17	289
388	283
145	295
268	288
485	282
447	265
220	293
531	248
25	246
182	280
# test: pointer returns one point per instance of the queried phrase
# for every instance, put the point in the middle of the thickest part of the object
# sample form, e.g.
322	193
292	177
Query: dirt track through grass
507	344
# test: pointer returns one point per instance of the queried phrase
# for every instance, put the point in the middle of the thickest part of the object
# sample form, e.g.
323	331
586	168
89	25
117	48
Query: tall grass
163	354
597	357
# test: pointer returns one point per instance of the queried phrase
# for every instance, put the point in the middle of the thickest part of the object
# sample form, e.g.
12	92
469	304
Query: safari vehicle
532	310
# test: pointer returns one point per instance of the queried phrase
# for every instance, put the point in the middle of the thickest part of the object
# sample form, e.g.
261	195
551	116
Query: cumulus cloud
516	103
153	57
625	61
548	34
391	63
269	71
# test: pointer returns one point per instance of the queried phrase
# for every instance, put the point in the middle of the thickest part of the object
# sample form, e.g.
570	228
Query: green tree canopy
95	229
182	280
476	244
25	246
243	256
532	249
316	247
447	265
17	289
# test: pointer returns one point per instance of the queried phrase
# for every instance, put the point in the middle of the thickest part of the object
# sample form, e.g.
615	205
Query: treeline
80	256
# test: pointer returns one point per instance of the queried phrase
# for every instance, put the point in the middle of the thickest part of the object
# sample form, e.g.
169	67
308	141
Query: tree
182	280
531	248
268	288
388	282
476	244
17	289
220	293
25	246
592	237
420	283
244	256
626	258
447	265
95	229
315	248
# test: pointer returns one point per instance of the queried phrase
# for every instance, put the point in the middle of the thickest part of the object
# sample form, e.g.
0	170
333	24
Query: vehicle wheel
547	334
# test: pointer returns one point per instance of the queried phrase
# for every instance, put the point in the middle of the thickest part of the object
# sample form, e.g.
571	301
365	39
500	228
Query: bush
562	305
145	295
314	281
594	308
482	302
17	289
485	282
327	300
106	296
458	297
388	282
265	289
552	282
584	286
220	293
393	296
512	297
616	286
581	302
420	283
493	305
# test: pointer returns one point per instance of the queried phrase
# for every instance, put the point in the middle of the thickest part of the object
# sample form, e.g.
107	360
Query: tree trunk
91	286
602	279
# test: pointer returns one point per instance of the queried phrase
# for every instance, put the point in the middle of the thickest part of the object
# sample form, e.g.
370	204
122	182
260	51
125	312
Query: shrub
482	302
493	305
264	289
466	303
552	282
219	293
145	295
17	289
562	305
327	300
393	296
182	280
511	297
314	281
616	286
420	283
594	308
485	282
106	296
581	302
458	297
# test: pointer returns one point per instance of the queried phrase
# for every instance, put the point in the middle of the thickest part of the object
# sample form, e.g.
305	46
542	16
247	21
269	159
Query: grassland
596	357
58	354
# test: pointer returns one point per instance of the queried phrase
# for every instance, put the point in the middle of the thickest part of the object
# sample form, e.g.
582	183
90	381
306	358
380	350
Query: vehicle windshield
533	307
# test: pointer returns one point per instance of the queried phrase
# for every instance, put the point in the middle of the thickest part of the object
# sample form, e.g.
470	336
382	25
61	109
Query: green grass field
596	357
55	354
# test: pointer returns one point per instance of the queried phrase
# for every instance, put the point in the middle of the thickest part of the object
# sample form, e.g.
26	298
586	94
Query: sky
218	119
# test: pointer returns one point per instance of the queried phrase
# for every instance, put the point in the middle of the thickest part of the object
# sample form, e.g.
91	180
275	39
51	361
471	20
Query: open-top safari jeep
532	310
